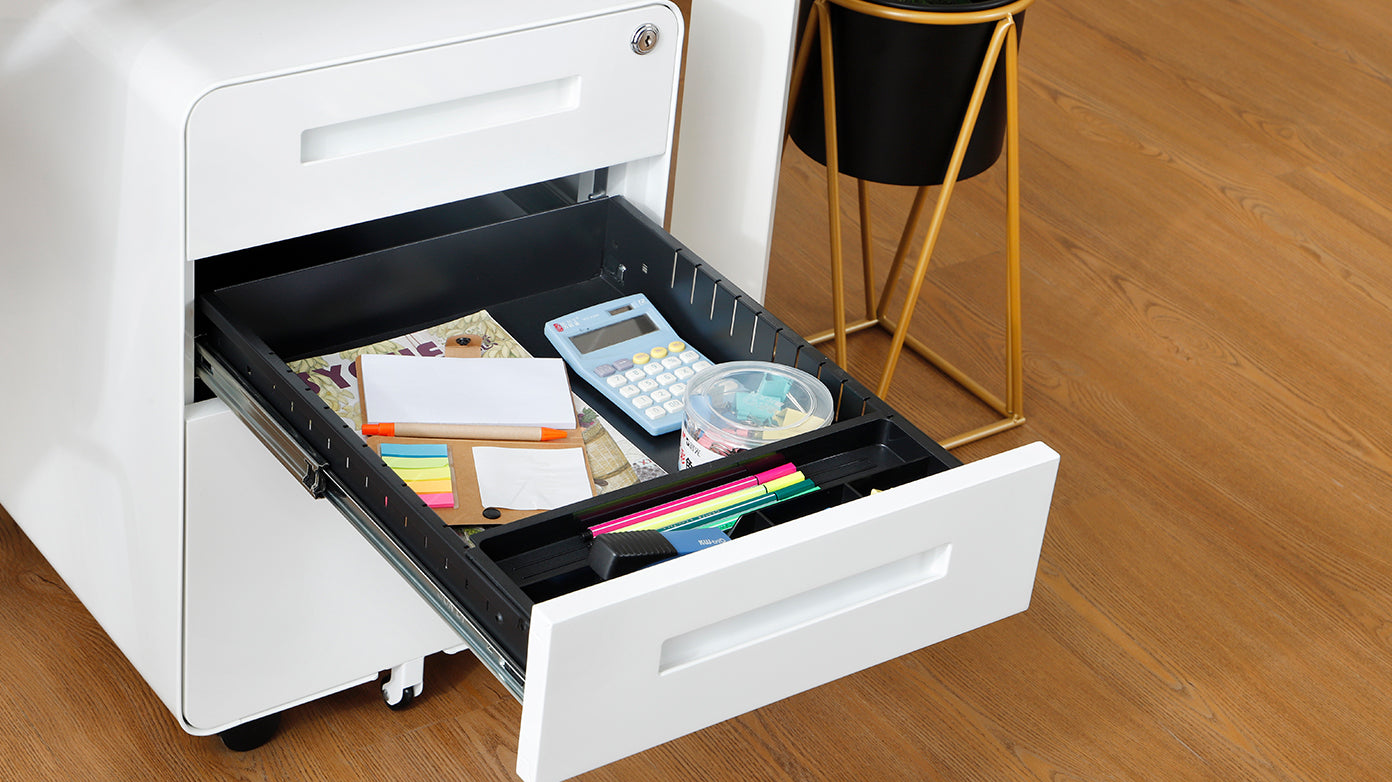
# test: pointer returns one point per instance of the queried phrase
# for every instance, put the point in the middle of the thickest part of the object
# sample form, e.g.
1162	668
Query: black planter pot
902	92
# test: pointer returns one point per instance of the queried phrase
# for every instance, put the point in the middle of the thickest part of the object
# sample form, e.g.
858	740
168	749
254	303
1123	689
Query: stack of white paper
439	390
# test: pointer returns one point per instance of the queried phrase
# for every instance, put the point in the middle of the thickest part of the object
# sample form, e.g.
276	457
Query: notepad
440	390
531	478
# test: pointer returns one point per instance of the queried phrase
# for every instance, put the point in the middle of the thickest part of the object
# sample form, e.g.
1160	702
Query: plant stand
1005	38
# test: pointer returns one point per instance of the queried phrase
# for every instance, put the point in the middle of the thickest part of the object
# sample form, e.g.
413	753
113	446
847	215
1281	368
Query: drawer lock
645	38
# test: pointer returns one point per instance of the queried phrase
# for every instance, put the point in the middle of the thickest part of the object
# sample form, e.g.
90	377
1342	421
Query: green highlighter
726	518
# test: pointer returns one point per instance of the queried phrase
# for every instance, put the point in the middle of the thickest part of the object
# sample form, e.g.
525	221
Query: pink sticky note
443	500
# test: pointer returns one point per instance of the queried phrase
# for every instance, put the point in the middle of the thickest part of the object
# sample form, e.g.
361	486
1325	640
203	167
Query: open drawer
903	546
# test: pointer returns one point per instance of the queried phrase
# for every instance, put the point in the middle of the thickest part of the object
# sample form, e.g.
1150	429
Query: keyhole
645	39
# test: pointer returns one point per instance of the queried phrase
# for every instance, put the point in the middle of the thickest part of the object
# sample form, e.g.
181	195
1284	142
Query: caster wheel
250	735
408	696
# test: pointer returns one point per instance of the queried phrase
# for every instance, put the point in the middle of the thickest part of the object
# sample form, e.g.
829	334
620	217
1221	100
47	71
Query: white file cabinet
204	191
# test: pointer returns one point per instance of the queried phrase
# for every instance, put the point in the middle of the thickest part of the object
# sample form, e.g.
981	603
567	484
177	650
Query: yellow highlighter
692	512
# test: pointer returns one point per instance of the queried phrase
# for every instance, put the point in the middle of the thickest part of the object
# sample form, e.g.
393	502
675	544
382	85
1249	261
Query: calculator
627	351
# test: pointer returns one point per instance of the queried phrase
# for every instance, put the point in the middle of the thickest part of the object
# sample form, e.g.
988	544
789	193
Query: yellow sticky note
431	487
427	474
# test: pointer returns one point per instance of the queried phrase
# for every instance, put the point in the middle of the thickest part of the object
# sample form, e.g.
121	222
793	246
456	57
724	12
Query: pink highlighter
705	496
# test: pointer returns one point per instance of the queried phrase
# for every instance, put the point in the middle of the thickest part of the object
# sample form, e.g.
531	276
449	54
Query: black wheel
250	735
407	696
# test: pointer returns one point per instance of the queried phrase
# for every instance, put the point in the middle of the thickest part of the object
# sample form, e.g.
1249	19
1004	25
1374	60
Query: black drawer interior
526	270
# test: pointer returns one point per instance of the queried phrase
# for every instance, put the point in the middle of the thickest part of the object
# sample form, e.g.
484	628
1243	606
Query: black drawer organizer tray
525	271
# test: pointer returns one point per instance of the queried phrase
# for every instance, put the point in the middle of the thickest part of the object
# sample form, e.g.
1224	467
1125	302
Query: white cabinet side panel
284	599
738	58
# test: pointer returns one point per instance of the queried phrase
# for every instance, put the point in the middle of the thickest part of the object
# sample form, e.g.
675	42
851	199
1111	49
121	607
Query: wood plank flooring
1208	301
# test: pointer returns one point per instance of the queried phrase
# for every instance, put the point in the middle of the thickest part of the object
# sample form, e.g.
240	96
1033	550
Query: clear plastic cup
738	405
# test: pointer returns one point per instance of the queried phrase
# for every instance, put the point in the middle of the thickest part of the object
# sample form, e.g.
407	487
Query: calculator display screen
613	334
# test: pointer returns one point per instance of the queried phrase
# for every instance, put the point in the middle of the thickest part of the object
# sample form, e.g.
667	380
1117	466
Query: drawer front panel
290	155
637	661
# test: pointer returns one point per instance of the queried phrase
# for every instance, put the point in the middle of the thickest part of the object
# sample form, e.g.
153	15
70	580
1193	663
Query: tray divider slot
744	322
763	345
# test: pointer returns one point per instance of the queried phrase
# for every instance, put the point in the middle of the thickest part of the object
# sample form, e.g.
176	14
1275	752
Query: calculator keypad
653	381
657	388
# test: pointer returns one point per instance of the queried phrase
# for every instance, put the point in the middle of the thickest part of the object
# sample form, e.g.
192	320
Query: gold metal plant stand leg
1005	38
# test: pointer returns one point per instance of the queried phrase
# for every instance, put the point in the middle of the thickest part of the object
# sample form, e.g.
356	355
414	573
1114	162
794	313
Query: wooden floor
1208	300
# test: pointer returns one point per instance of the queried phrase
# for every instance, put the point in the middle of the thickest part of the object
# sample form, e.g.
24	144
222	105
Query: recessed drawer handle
808	608
440	120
